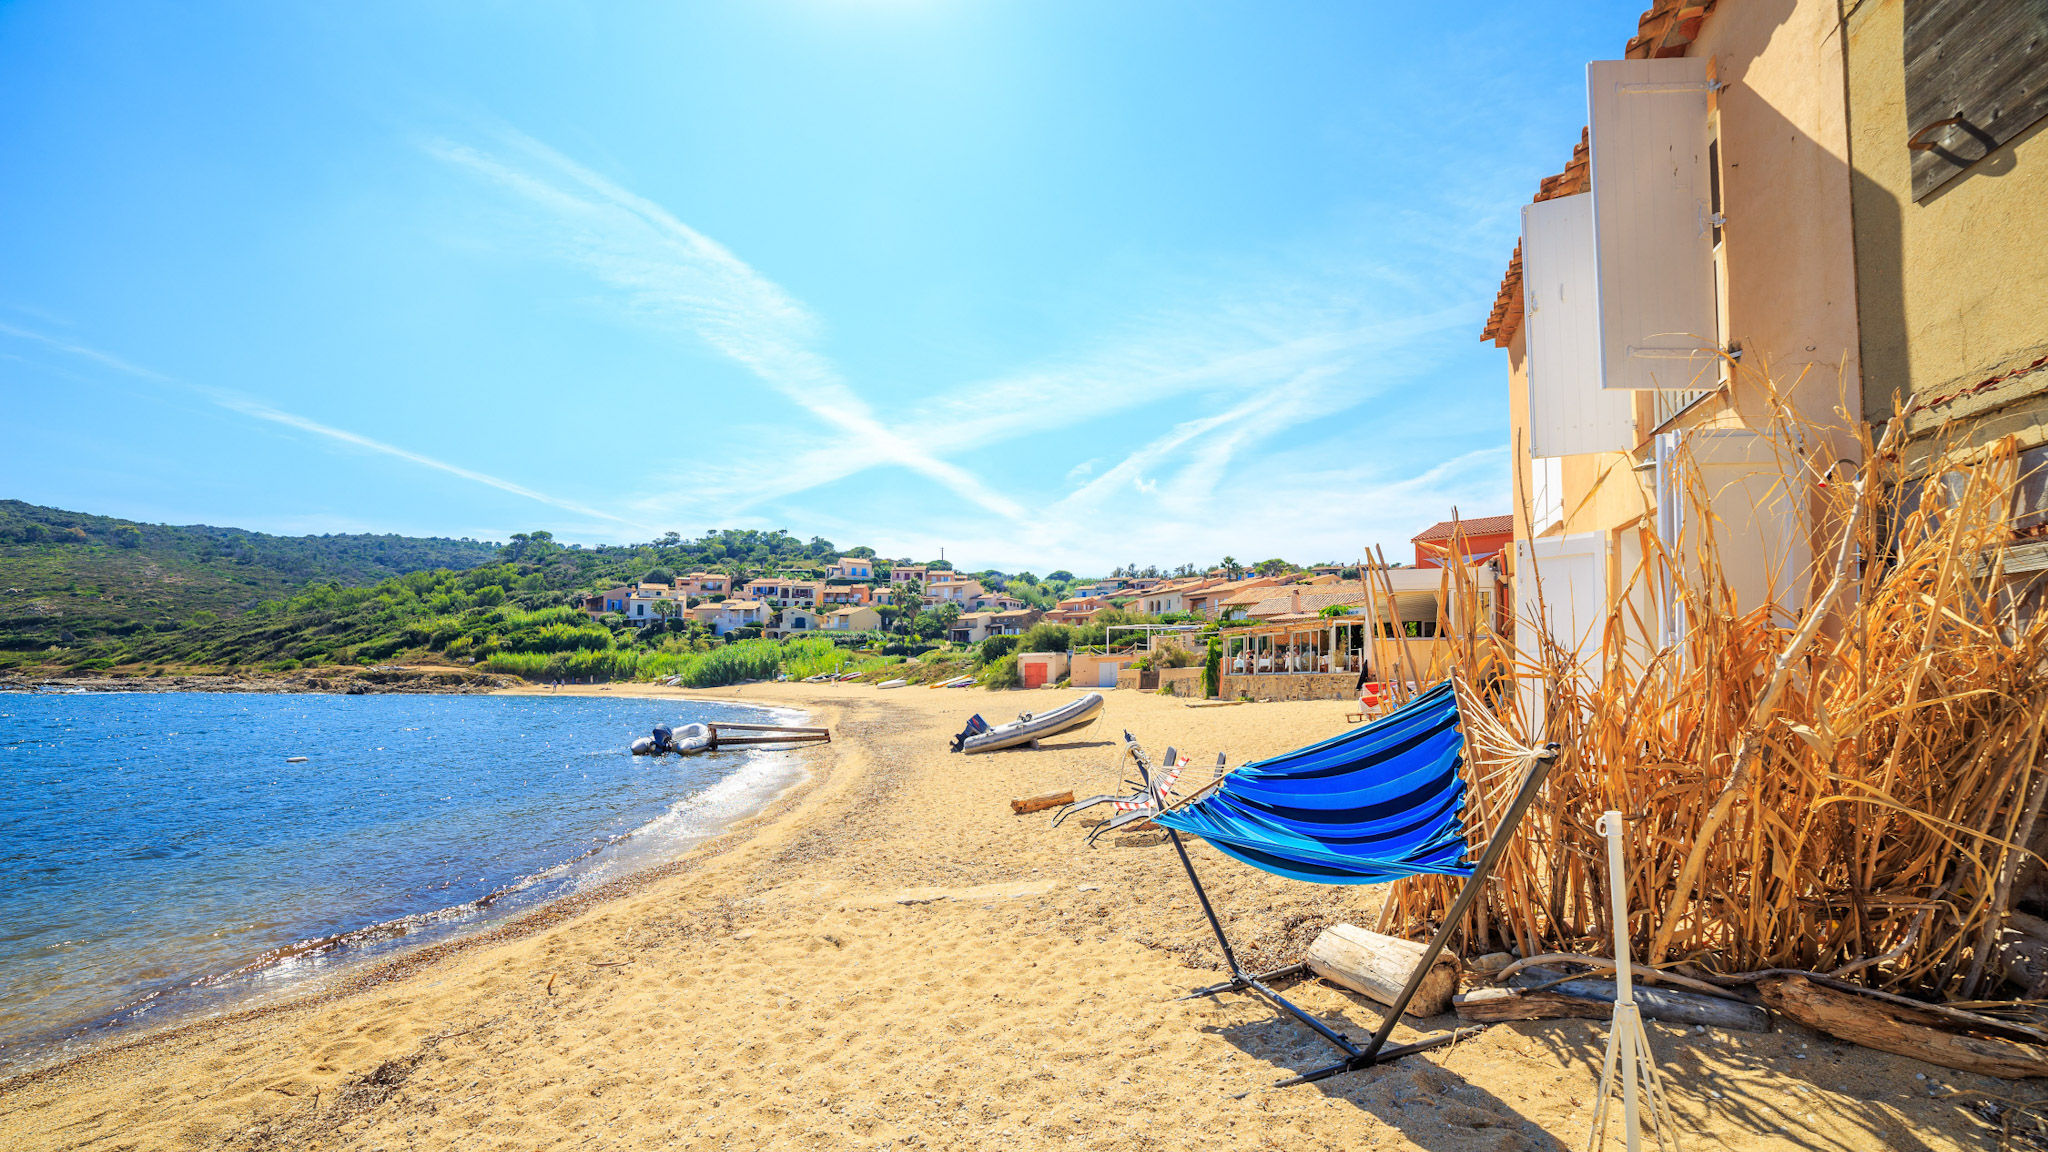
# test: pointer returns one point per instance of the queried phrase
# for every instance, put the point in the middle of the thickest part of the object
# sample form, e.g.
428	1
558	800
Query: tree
128	536
1231	567
1273	567
1061	577
530	546
657	576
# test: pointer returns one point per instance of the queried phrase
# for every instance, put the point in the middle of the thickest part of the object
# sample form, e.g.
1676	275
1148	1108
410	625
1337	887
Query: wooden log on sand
1944	1036
1491	1005
1594	1000
1666	1004
1378	966
1041	803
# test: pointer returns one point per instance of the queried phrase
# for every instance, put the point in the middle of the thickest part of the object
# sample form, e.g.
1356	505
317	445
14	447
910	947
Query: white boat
1029	727
892	683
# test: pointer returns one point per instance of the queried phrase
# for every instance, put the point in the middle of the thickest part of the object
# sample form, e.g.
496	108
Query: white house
726	615
643	605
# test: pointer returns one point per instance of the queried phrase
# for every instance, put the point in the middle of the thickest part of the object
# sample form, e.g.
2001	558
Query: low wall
1291	686
1176	681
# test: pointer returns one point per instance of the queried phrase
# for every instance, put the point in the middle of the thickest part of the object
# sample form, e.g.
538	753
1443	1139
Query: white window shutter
1569	412
1652	226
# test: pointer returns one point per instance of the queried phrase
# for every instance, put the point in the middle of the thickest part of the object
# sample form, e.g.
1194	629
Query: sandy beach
887	957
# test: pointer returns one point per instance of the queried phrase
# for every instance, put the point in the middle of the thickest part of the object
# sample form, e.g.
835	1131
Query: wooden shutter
1569	412
1652	223
1976	76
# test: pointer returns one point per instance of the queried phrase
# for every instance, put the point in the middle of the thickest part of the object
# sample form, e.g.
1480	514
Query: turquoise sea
160	855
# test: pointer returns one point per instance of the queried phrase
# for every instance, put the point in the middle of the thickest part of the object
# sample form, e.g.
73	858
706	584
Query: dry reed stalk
1848	787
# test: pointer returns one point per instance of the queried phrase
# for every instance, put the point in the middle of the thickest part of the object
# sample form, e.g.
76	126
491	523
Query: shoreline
386	941
887	956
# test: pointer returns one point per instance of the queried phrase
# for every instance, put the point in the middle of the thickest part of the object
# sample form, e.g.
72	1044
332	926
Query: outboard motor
975	727
664	738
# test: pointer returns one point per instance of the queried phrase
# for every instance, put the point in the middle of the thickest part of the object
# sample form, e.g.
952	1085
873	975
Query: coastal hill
86	577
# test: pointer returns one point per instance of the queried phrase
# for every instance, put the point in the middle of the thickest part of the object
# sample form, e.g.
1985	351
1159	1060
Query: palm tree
1231	567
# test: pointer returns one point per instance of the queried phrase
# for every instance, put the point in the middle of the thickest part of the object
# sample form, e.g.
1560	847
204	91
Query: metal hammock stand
1375	1051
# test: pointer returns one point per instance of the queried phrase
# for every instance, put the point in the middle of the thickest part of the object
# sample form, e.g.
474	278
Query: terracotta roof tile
1480	526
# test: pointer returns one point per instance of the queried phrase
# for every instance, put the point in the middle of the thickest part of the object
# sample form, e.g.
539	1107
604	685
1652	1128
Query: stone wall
1291	686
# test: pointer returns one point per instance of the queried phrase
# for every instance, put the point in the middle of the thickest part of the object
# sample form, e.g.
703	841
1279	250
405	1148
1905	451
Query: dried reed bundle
1844	786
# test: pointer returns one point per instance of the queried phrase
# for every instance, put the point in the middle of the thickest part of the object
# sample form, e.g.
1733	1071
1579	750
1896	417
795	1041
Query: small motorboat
892	683
687	739
1029	727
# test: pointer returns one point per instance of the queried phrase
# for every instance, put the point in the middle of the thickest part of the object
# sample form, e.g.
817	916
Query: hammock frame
1375	1051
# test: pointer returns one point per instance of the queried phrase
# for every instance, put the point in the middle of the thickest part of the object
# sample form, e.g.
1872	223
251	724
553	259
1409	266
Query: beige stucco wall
1789	242
1953	289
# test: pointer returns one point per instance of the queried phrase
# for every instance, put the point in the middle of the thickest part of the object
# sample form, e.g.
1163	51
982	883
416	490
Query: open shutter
1652	222
1569	412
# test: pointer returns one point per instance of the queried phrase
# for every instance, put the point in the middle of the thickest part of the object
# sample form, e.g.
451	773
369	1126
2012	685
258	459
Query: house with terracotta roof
1319	642
1076	610
1478	540
974	627
857	618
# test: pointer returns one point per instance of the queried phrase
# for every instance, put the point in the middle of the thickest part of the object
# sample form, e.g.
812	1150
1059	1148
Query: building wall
1952	287
1298	686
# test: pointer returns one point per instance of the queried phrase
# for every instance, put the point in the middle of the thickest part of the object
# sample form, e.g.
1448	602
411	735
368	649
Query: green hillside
74	578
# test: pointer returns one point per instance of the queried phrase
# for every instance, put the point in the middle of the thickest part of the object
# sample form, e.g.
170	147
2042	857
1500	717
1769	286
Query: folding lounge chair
1369	806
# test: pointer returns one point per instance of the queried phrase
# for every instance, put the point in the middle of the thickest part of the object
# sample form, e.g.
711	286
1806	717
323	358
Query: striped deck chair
1136	806
1366	807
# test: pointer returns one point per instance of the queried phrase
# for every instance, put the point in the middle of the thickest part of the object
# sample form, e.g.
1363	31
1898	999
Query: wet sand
888	958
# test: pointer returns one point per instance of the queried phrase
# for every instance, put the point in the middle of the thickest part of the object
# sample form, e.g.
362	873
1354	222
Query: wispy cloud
261	411
675	272
235	402
1231	373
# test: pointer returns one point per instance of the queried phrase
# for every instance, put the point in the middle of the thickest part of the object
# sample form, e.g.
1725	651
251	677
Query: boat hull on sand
1030	727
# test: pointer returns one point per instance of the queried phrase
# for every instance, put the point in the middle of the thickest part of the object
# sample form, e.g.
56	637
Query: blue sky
1044	284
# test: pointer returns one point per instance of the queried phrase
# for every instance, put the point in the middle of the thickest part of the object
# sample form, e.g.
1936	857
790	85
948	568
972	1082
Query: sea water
161	855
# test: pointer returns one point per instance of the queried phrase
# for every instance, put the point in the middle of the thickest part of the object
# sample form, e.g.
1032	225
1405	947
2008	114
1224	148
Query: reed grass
1848	784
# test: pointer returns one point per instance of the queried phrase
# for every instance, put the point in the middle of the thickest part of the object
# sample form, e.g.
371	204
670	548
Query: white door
1105	675
1561	589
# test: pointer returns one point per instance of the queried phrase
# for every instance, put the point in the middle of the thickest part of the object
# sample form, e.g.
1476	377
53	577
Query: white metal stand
1627	1044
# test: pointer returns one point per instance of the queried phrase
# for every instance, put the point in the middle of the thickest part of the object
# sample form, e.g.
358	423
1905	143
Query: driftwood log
1378	966
1944	1036
1666	1004
1594	1000
1041	803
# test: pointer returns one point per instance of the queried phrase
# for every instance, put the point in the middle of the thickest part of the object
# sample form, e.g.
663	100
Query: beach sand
888	958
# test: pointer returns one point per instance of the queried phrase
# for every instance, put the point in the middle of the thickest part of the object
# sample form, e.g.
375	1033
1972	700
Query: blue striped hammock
1366	807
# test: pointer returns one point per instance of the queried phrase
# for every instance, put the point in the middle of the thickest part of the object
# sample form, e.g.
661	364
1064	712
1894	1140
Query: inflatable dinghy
1030	727
892	683
688	738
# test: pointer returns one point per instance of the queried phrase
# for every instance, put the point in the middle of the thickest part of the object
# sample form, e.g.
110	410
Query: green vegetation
70	577
93	593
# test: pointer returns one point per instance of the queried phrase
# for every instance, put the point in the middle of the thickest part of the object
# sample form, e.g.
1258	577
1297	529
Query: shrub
1046	638
1175	656
1212	669
996	647
281	665
1002	673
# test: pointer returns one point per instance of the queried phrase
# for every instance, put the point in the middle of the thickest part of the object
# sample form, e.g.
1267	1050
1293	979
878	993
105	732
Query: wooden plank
1982	62
1041	803
1890	1026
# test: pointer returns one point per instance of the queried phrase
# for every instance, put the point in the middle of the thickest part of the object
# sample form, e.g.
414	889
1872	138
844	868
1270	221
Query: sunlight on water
160	855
